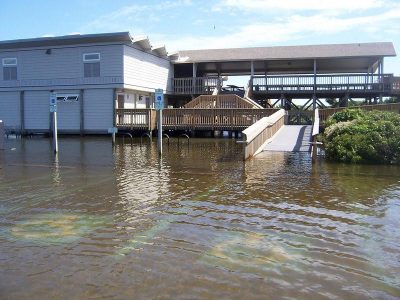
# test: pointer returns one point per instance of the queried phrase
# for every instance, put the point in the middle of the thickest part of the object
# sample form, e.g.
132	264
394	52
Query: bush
344	115
357	136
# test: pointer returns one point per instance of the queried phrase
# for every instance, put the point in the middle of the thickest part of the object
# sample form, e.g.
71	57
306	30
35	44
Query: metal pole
159	124
113	138
1	135
55	137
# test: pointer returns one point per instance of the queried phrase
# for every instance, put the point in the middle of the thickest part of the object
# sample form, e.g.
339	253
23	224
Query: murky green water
108	223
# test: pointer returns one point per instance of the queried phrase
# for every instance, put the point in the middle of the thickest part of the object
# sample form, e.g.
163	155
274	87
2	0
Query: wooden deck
191	118
213	119
233	119
358	85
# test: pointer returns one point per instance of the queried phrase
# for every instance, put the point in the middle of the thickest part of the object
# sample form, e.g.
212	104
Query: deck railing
323	83
255	136
220	101
139	119
396	85
325	113
191	118
212	119
195	85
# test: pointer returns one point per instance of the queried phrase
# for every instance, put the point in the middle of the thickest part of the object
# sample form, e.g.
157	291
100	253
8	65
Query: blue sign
112	130
159	99
53	102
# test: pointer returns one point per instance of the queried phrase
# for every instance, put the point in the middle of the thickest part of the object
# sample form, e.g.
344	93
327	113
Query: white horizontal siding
10	109
98	109
37	115
64	63
68	113
144	70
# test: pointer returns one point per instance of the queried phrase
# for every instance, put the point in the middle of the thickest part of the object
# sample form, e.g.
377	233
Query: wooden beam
22	111
315	75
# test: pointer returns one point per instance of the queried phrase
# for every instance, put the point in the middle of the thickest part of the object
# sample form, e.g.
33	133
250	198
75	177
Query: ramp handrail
315	132
258	134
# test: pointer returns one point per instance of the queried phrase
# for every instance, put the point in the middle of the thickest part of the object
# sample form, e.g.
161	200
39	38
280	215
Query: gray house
88	72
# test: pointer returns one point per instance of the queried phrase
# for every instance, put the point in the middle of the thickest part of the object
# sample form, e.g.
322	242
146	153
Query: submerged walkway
294	138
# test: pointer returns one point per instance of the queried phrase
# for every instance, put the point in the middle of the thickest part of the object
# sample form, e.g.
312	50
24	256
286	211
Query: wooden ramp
291	138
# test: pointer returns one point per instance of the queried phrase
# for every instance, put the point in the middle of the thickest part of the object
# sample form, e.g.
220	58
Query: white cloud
296	27
325	20
132	14
267	5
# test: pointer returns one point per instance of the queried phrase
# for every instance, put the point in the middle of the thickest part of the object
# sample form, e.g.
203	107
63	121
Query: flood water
99	222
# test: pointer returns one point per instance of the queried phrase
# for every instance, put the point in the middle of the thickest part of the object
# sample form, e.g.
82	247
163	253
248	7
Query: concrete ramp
291	138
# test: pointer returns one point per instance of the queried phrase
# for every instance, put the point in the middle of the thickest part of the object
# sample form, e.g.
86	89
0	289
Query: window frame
10	68
91	60
4	64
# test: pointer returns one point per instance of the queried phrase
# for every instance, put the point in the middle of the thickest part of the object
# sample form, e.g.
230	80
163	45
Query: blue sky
190	24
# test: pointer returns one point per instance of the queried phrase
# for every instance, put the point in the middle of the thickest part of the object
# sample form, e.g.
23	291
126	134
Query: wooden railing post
131	115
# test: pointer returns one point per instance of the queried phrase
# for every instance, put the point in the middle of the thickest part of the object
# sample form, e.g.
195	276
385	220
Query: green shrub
358	136
344	115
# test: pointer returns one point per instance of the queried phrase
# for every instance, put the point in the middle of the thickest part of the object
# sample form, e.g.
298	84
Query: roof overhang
288	59
74	39
160	51
143	42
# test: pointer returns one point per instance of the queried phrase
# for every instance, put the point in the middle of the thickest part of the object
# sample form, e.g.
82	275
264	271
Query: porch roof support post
251	74
315	75
219	83
194	72
266	74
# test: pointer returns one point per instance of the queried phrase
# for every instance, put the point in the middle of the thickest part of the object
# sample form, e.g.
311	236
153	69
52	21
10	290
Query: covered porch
290	72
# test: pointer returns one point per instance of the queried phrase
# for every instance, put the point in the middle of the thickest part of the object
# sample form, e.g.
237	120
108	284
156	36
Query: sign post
159	104
113	131
1	135
53	110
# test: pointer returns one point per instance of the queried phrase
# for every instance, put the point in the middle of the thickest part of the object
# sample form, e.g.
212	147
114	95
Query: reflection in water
55	227
120	223
249	252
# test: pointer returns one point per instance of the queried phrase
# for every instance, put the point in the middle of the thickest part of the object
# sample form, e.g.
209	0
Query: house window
91	64
9	69
67	97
